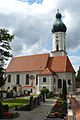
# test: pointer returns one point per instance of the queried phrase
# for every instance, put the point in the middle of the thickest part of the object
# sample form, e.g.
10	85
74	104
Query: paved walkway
37	113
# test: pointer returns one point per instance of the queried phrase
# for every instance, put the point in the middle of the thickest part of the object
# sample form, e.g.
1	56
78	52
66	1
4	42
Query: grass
16	102
34	94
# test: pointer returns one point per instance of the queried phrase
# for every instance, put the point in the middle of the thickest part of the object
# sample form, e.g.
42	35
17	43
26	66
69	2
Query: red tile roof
28	63
46	72
40	62
27	86
60	64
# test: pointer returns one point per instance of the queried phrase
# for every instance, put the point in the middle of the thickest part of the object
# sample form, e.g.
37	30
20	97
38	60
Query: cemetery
18	103
61	110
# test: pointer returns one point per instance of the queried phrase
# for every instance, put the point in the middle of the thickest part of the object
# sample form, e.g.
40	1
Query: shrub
51	94
44	90
1	112
6	114
14	115
61	96
5	108
10	94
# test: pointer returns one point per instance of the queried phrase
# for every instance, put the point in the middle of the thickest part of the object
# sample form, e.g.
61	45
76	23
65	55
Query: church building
34	72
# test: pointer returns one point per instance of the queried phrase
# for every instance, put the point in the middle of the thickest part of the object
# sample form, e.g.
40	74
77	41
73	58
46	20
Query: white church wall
66	76
22	79
48	84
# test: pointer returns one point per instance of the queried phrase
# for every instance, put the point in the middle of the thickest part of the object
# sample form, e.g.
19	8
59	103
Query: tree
2	80
78	74
5	39
64	90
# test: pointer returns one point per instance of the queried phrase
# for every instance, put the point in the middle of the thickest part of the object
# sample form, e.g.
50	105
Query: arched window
69	82
27	79
17	79
54	80
59	83
57	47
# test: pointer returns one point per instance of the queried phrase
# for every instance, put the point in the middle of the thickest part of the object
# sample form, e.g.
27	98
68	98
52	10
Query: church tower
59	33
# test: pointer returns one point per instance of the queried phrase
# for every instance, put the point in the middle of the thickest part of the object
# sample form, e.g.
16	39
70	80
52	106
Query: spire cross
58	10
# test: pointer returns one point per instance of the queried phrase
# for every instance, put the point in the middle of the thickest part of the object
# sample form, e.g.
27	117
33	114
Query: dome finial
59	26
58	15
58	10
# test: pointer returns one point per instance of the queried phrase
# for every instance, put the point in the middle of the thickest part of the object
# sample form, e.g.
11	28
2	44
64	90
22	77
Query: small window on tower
56	36
57	47
56	41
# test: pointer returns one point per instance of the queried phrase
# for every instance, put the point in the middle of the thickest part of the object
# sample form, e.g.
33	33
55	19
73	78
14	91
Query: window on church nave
36	79
69	82
59	83
44	79
18	79
27	79
9	78
54	80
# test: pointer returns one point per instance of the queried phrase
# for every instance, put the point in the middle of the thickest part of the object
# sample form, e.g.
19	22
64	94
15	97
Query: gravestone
43	97
35	102
38	101
4	95
31	102
0	95
14	93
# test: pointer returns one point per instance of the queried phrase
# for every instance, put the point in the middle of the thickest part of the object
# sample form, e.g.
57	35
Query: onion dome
59	26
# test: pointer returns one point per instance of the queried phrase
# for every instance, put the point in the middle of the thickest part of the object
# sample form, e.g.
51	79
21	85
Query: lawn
16	102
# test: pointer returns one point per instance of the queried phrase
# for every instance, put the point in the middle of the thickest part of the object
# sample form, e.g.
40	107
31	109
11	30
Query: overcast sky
31	22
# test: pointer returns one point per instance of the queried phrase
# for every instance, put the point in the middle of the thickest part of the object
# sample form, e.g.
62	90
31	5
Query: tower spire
58	10
59	32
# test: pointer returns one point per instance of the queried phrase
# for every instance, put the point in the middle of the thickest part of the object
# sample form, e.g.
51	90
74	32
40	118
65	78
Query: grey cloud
34	30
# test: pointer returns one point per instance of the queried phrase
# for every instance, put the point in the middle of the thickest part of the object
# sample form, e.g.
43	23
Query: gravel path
37	113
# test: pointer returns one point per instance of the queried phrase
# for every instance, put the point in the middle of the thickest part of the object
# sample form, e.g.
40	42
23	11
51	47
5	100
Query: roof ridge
66	63
70	64
30	55
49	70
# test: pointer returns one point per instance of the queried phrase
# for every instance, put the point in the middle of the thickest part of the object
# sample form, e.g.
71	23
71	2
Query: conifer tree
64	90
5	39
78	74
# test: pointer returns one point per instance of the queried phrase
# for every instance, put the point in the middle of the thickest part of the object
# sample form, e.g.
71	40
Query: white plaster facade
31	85
51	82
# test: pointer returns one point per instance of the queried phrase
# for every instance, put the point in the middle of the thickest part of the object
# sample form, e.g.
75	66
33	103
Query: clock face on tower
56	41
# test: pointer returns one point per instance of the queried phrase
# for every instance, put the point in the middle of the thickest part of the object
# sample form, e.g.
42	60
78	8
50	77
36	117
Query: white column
38	89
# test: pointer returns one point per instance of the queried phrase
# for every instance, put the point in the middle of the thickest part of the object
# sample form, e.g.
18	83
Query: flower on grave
6	114
56	114
57	104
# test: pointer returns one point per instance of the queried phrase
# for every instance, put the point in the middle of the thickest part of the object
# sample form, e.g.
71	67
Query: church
34	72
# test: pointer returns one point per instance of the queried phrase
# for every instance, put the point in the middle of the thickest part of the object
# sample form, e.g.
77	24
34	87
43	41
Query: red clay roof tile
60	64
40	62
46	72
28	63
